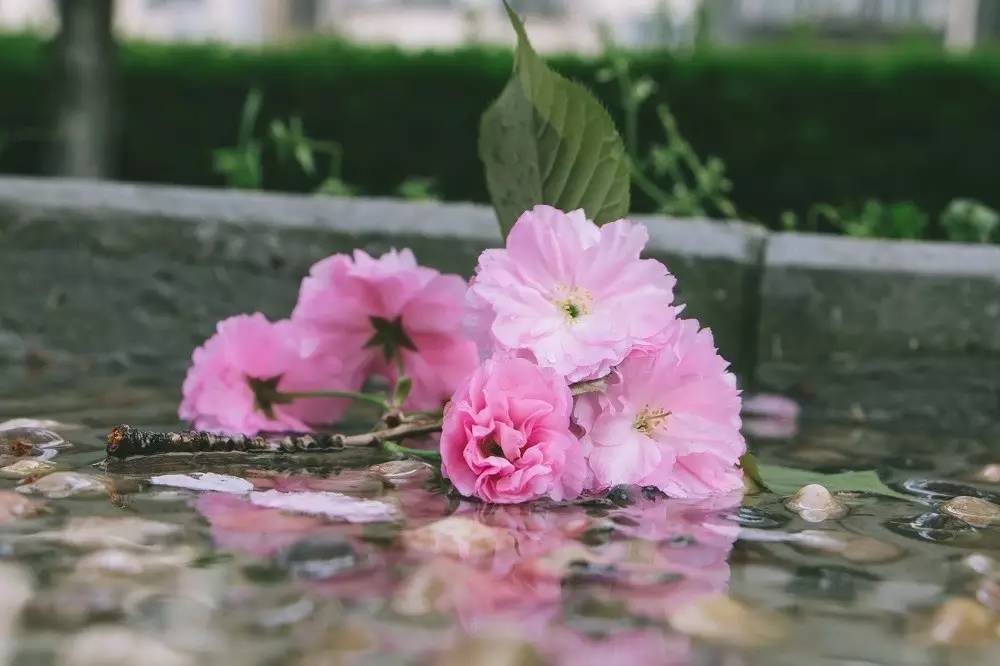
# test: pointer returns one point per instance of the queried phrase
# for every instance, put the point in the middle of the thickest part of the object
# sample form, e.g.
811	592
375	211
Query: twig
125	441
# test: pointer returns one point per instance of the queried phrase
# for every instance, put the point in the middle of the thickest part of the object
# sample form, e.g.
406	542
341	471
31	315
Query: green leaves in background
782	480
547	140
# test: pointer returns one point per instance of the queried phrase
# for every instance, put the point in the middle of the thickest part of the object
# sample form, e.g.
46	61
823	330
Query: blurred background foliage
879	140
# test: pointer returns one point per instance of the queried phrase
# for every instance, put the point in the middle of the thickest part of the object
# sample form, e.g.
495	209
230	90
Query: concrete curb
869	329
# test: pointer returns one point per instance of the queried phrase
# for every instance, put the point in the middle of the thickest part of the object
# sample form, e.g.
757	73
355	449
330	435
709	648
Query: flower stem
393	447
350	395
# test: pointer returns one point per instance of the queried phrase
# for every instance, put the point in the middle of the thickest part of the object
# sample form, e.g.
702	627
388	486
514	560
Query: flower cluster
356	317
565	303
563	367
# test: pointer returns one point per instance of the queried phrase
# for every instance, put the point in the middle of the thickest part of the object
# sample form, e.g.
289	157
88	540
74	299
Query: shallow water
175	576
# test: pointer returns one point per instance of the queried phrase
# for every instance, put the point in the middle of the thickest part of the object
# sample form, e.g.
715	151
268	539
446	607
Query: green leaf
547	140
787	480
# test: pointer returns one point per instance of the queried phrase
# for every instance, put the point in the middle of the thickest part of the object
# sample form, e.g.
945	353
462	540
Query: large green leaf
787	480
547	140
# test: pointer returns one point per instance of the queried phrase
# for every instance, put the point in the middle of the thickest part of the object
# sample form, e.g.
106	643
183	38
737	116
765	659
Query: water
174	576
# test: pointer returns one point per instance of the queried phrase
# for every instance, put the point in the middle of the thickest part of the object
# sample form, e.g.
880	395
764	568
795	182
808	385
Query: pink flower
671	420
506	435
233	375
573	296
392	314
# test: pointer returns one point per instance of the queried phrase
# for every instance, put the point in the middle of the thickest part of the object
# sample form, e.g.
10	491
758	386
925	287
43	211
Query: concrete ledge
878	331
113	268
858	329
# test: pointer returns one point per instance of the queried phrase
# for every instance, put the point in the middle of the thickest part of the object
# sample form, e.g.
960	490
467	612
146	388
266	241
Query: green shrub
792	127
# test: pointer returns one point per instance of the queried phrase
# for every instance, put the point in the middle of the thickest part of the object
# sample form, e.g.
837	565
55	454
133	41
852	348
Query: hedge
794	127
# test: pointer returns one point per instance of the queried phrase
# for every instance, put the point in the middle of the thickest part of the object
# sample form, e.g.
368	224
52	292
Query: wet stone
21	442
320	557
988	473
851	547
403	472
458	537
988	594
934	527
814	503
722	619
753	517
97	532
27	468
14	507
940	491
973	510
962	622
60	485
118	646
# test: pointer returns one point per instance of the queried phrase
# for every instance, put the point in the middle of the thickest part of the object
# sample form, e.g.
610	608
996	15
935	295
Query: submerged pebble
122	562
814	503
14	506
973	510
402	472
988	473
118	646
852	547
319	557
458	537
59	485
27	468
962	622
27	441
96	532
722	619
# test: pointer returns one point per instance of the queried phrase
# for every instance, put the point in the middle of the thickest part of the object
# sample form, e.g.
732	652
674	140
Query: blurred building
556	25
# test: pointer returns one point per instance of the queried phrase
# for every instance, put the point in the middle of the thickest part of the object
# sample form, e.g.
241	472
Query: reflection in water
160	575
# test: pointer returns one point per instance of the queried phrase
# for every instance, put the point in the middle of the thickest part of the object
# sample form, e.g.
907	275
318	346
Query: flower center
266	394
574	302
390	337
490	447
650	420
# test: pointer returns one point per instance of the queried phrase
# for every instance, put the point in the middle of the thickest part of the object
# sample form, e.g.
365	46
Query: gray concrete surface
857	329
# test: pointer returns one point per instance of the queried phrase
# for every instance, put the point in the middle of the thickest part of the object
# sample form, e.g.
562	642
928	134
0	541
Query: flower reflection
579	583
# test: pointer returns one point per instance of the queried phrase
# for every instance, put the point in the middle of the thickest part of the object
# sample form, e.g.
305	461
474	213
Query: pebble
988	595
722	619
97	532
319	557
491	651
989	473
121	562
15	591
973	510
403	472
814	503
21	442
852	547
118	646
27	467
961	622
14	507
982	564
59	485
458	537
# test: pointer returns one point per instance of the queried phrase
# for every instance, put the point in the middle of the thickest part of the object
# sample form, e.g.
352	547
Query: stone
124	562
27	468
119	646
722	619
458	537
319	557
814	503
973	510
852	547
961	622
988	473
59	485
98	532
403	472
14	507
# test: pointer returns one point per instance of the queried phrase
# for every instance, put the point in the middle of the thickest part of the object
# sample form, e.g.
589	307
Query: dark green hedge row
794	128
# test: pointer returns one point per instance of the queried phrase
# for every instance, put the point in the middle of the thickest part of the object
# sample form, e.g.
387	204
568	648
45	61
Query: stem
124	441
350	395
423	454
651	189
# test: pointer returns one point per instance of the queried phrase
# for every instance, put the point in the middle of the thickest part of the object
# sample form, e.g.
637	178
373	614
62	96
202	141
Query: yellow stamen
574	302
650	420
